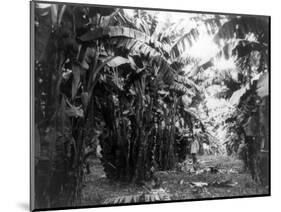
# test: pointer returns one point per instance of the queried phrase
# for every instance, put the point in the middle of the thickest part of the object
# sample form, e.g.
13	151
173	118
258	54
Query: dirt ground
226	179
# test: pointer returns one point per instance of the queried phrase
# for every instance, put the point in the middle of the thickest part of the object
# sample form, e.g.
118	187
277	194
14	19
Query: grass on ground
177	183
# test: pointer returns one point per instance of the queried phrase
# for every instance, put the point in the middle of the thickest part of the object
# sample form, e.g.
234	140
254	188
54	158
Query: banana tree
246	39
104	79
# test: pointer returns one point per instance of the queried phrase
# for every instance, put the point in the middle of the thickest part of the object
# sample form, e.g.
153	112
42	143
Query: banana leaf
263	86
235	98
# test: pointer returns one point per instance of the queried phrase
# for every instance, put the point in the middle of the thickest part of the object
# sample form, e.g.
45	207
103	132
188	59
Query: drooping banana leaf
181	89
186	81
115	31
235	98
262	85
117	61
201	67
184	42
154	57
76	79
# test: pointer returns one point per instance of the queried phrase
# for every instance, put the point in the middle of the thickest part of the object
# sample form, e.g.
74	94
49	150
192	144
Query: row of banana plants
100	77
109	80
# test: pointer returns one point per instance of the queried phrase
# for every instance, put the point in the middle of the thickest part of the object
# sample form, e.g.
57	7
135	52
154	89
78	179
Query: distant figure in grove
194	150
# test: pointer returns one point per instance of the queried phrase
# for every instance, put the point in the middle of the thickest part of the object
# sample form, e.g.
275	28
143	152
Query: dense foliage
117	84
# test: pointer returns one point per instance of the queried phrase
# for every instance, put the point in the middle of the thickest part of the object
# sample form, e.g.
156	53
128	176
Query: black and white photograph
141	105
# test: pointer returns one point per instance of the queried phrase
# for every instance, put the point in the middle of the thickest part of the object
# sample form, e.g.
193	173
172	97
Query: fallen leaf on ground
198	184
224	183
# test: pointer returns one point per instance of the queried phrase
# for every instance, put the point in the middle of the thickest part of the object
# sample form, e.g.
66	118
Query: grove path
179	183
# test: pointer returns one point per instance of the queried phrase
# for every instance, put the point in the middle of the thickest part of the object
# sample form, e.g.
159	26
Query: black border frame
31	106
